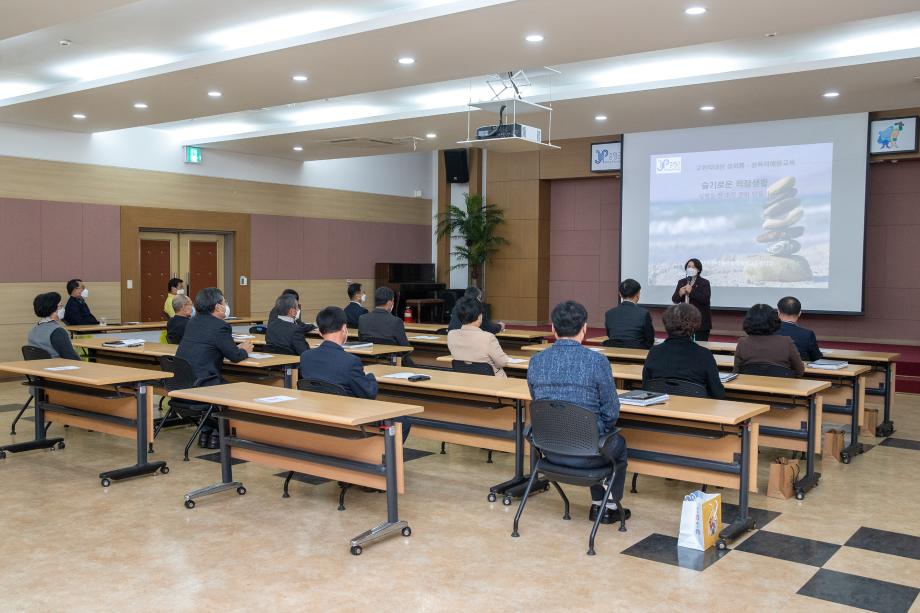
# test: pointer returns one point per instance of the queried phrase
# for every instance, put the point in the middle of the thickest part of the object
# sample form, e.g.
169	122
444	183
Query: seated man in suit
678	357
77	312
628	324
48	333
570	372
489	326
763	343
355	307
285	335
790	309
381	326
473	344
208	340
330	363
175	327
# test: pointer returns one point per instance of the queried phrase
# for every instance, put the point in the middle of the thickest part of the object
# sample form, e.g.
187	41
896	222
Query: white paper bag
700	520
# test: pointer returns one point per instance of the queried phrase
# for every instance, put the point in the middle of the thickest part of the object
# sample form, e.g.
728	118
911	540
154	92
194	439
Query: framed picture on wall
606	157
894	135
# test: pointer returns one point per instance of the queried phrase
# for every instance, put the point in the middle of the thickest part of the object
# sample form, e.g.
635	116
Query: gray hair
285	303
179	302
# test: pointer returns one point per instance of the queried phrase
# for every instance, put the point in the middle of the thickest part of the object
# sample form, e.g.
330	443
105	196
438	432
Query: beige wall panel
512	166
573	160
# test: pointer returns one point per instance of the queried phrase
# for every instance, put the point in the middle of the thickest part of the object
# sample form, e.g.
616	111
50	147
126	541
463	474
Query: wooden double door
197	259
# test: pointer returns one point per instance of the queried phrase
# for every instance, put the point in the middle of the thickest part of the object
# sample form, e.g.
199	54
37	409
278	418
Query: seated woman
470	342
678	357
48	333
763	345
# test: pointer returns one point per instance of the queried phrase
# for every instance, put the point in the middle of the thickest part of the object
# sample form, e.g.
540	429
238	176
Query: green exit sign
193	155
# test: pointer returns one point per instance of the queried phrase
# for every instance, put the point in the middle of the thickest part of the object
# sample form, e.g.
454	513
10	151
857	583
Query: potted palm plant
474	225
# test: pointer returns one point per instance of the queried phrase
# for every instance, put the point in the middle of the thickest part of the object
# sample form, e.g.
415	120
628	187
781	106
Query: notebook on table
642	398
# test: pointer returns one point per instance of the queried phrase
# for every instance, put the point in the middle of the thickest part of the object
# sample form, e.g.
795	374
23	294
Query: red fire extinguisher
407	316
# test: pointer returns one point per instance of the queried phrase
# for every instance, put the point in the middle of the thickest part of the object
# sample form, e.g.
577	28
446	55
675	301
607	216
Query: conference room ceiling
643	65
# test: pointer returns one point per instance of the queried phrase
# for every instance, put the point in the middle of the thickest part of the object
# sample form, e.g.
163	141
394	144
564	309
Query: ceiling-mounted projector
504	130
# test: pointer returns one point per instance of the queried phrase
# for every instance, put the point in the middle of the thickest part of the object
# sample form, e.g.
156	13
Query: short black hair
569	318
330	319
73	284
682	319
789	305
629	288
696	263
468	310
291	292
208	298
473	292
761	320
285	303
383	295
354	289
46	304
174	282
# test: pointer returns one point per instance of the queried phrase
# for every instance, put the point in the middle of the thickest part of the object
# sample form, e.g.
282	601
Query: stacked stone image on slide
781	212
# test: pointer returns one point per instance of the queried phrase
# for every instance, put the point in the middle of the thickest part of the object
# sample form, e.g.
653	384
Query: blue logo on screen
664	166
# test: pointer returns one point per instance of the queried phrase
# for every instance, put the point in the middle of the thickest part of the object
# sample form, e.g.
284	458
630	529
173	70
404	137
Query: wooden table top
145	325
158	349
507	334
86	373
306	406
374	350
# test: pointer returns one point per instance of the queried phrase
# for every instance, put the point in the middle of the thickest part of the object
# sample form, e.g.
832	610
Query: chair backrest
676	387
278	350
30	352
473	368
442	331
259	329
183	374
564	428
321	387
766	369
376	340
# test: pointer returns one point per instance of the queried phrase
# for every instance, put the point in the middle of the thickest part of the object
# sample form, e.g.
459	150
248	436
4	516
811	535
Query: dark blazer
353	311
77	313
273	315
700	296
487	325
678	357
629	325
804	339
175	329
383	325
286	337
207	341
330	363
769	349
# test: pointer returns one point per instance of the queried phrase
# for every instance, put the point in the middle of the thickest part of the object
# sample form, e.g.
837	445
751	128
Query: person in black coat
330	363
355	307
628	324
76	311
175	327
696	290
488	325
678	357
790	309
284	335
380	324
208	339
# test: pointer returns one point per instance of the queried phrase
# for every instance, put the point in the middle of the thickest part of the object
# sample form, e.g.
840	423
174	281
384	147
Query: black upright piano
409	281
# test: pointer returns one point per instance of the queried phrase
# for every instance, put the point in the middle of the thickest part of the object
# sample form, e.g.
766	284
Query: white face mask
363	298
226	311
193	311
180	292
297	315
84	294
692	272
60	313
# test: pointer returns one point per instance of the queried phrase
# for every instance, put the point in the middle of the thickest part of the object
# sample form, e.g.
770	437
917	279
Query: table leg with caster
40	441
514	487
142	466
811	477
886	428
744	521
226	470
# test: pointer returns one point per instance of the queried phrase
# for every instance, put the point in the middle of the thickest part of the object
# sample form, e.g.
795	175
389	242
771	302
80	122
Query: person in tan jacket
473	344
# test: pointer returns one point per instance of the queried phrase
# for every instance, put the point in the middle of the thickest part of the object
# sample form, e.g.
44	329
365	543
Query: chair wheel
800	495
721	545
3	455
189	504
61	445
164	470
241	490
356	550
845	458
506	501
491	496
105	482
407	531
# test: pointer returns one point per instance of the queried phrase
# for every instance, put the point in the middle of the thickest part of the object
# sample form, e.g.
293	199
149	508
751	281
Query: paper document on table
725	377
261	356
424	337
57	368
399	375
596	348
242	336
274	399
127	342
516	360
828	364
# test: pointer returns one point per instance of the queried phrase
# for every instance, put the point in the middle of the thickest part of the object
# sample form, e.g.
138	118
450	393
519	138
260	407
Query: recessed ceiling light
79	116
65	42
431	135
300	78
600	118
298	148
831	94
405	61
770	34
707	107
140	105
695	10
215	94
534	38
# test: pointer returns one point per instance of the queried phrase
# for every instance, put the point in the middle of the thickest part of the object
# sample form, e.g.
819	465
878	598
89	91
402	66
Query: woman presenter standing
695	290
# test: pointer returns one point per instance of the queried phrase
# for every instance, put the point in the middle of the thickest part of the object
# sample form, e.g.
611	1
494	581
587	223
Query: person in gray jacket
48	333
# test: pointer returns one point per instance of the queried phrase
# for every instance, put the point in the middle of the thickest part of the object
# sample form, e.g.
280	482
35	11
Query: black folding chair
29	352
472	368
195	412
766	369
566	429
